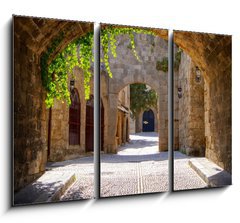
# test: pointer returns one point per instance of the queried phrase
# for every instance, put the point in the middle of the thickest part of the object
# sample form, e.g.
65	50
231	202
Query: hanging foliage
55	75
80	53
142	98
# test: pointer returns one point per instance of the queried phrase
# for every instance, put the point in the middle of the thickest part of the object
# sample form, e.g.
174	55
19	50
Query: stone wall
60	148
32	36
212	54
191	109
127	70
30	145
218	120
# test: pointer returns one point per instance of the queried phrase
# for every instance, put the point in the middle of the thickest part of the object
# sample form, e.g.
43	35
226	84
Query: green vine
79	53
55	75
148	98
177	58
162	65
109	42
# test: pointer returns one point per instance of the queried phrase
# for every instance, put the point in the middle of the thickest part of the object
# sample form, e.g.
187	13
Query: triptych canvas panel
54	104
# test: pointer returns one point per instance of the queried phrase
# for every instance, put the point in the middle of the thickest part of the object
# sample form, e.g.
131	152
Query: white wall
219	205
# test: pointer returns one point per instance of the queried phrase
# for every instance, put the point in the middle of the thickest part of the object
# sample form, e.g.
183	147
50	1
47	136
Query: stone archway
113	122
134	71
32	37
212	54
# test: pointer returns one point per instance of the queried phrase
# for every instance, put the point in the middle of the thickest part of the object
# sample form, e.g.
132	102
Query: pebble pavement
137	168
185	177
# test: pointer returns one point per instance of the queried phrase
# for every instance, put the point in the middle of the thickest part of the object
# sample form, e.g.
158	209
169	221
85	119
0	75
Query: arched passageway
128	70
211	54
32	37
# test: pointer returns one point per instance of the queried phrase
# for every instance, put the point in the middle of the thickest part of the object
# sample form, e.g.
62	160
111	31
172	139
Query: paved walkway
137	168
185	177
83	168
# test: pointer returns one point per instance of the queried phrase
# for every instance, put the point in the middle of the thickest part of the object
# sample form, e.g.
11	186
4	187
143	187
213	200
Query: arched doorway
148	121
74	118
89	124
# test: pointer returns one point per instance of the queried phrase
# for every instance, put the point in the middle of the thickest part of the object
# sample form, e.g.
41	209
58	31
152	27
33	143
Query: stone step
48	188
212	174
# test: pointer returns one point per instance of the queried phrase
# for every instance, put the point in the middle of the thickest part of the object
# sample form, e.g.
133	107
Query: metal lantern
198	75
179	92
72	84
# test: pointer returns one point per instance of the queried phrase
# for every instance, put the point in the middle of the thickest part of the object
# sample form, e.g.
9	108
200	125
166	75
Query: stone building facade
128	70
67	136
123	117
190	113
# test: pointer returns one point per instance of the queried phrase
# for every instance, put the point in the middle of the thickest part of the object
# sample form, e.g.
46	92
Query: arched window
74	119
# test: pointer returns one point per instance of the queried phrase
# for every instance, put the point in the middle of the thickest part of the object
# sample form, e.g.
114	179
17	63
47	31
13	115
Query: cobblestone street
185	178
137	168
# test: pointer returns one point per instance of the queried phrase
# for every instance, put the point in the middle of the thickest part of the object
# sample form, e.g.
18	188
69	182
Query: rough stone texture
32	36
191	109
60	149
212	54
127	70
211	173
123	117
185	178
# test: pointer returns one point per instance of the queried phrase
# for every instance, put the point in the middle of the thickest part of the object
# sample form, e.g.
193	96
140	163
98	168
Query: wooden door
74	119
148	121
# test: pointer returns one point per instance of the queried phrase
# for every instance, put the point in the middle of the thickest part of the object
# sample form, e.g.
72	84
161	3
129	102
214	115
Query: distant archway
148	121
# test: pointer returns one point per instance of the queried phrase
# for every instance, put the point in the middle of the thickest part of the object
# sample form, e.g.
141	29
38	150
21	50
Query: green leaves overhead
55	75
108	42
142	98
79	53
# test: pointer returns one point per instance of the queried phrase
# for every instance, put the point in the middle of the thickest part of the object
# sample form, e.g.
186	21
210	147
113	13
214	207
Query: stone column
124	128
112	123
138	123
163	124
